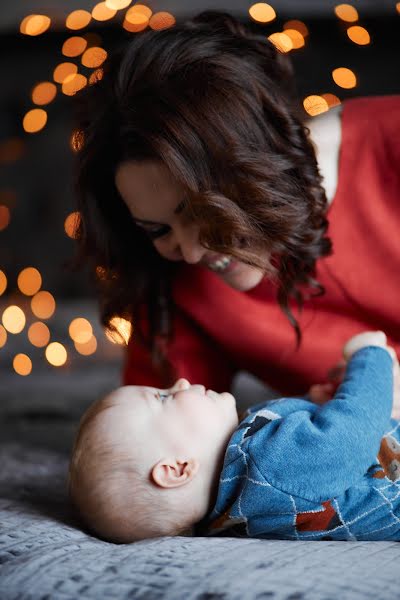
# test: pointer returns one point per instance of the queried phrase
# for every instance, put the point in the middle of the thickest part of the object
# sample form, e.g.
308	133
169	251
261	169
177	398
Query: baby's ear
171	472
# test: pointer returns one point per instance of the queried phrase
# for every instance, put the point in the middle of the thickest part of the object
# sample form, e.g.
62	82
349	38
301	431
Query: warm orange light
122	333
281	41
13	319
359	35
94	57
34	120
78	19
22	364
3	282
4	216
344	77
398	7
76	141
43	305
262	12
315	105
331	99
88	348
44	93
161	20
296	37
80	330
74	46
141	8
3	336
346	12
135	21
29	281
64	70
56	354
96	76
73	83
101	12
34	24
117	4
298	26
71	223
39	334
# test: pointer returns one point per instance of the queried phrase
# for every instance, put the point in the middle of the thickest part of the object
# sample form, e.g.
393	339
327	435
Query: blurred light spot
76	141
298	26
34	120
281	41
44	93
88	348
71	223
398	7
14	319
73	83
3	336
78	19
3	282
34	24
122	331
4	216
101	12
11	150
117	4
296	37
262	12
43	305
96	76
22	364
80	330
315	105
39	334
161	20
358	35
29	281
101	273
56	354
135	21
331	99
344	77
94	57
64	70
74	46
346	12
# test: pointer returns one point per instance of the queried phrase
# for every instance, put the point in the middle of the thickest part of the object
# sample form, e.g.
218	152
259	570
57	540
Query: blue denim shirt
297	470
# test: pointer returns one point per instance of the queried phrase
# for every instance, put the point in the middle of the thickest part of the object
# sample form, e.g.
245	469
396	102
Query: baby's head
146	462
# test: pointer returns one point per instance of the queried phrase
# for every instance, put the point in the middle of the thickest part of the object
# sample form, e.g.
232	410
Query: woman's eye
159	232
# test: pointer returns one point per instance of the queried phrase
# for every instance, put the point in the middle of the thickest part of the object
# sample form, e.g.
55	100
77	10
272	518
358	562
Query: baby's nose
181	384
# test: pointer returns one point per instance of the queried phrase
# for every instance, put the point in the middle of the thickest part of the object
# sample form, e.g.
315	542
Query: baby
149	462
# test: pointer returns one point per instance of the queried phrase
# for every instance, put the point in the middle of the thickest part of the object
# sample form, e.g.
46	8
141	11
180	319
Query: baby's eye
163	396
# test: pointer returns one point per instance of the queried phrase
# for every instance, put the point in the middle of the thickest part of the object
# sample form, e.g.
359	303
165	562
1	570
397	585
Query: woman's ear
171	472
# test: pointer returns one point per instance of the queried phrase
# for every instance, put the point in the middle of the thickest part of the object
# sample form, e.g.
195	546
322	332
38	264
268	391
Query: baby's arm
322	452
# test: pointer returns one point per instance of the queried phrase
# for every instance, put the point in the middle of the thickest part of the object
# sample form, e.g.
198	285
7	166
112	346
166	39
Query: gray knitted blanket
45	556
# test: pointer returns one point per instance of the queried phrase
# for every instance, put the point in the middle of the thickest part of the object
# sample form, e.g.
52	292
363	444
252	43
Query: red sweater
219	330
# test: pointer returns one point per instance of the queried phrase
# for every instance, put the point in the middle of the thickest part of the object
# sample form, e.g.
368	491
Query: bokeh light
73	83
101	12
88	348
96	76
344	78
135	21
80	330
34	24
74	46
5	216
43	305
64	70
262	12
56	354
315	105
94	57
78	19
3	336
281	41
346	12
71	223
117	4
122	333
358	35
22	364
13	319
29	281
39	334
44	93
3	282
331	99
298	26
161	20
34	120
296	37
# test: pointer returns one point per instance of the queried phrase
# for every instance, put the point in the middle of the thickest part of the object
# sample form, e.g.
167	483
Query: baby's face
185	416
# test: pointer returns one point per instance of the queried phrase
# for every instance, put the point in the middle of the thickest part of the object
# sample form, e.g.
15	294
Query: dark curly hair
216	103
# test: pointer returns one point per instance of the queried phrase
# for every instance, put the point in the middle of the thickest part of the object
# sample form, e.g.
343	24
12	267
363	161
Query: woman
232	233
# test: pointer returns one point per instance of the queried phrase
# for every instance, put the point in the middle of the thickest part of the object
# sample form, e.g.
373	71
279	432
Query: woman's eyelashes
159	232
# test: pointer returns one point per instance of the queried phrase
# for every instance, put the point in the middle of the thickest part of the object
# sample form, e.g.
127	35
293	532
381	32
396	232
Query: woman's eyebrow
177	210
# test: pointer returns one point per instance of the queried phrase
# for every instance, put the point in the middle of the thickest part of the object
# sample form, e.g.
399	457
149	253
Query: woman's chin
244	279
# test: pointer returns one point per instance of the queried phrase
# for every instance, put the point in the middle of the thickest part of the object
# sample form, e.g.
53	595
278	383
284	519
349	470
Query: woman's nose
187	241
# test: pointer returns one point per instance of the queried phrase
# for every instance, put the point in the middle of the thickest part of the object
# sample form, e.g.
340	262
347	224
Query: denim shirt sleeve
319	453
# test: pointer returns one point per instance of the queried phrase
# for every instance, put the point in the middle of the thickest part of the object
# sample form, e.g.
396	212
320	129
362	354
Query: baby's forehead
127	393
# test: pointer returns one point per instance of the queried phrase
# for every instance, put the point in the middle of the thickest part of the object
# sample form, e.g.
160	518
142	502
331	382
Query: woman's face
155	201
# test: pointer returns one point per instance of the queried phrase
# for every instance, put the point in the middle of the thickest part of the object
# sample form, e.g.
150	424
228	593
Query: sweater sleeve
192	355
319	453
